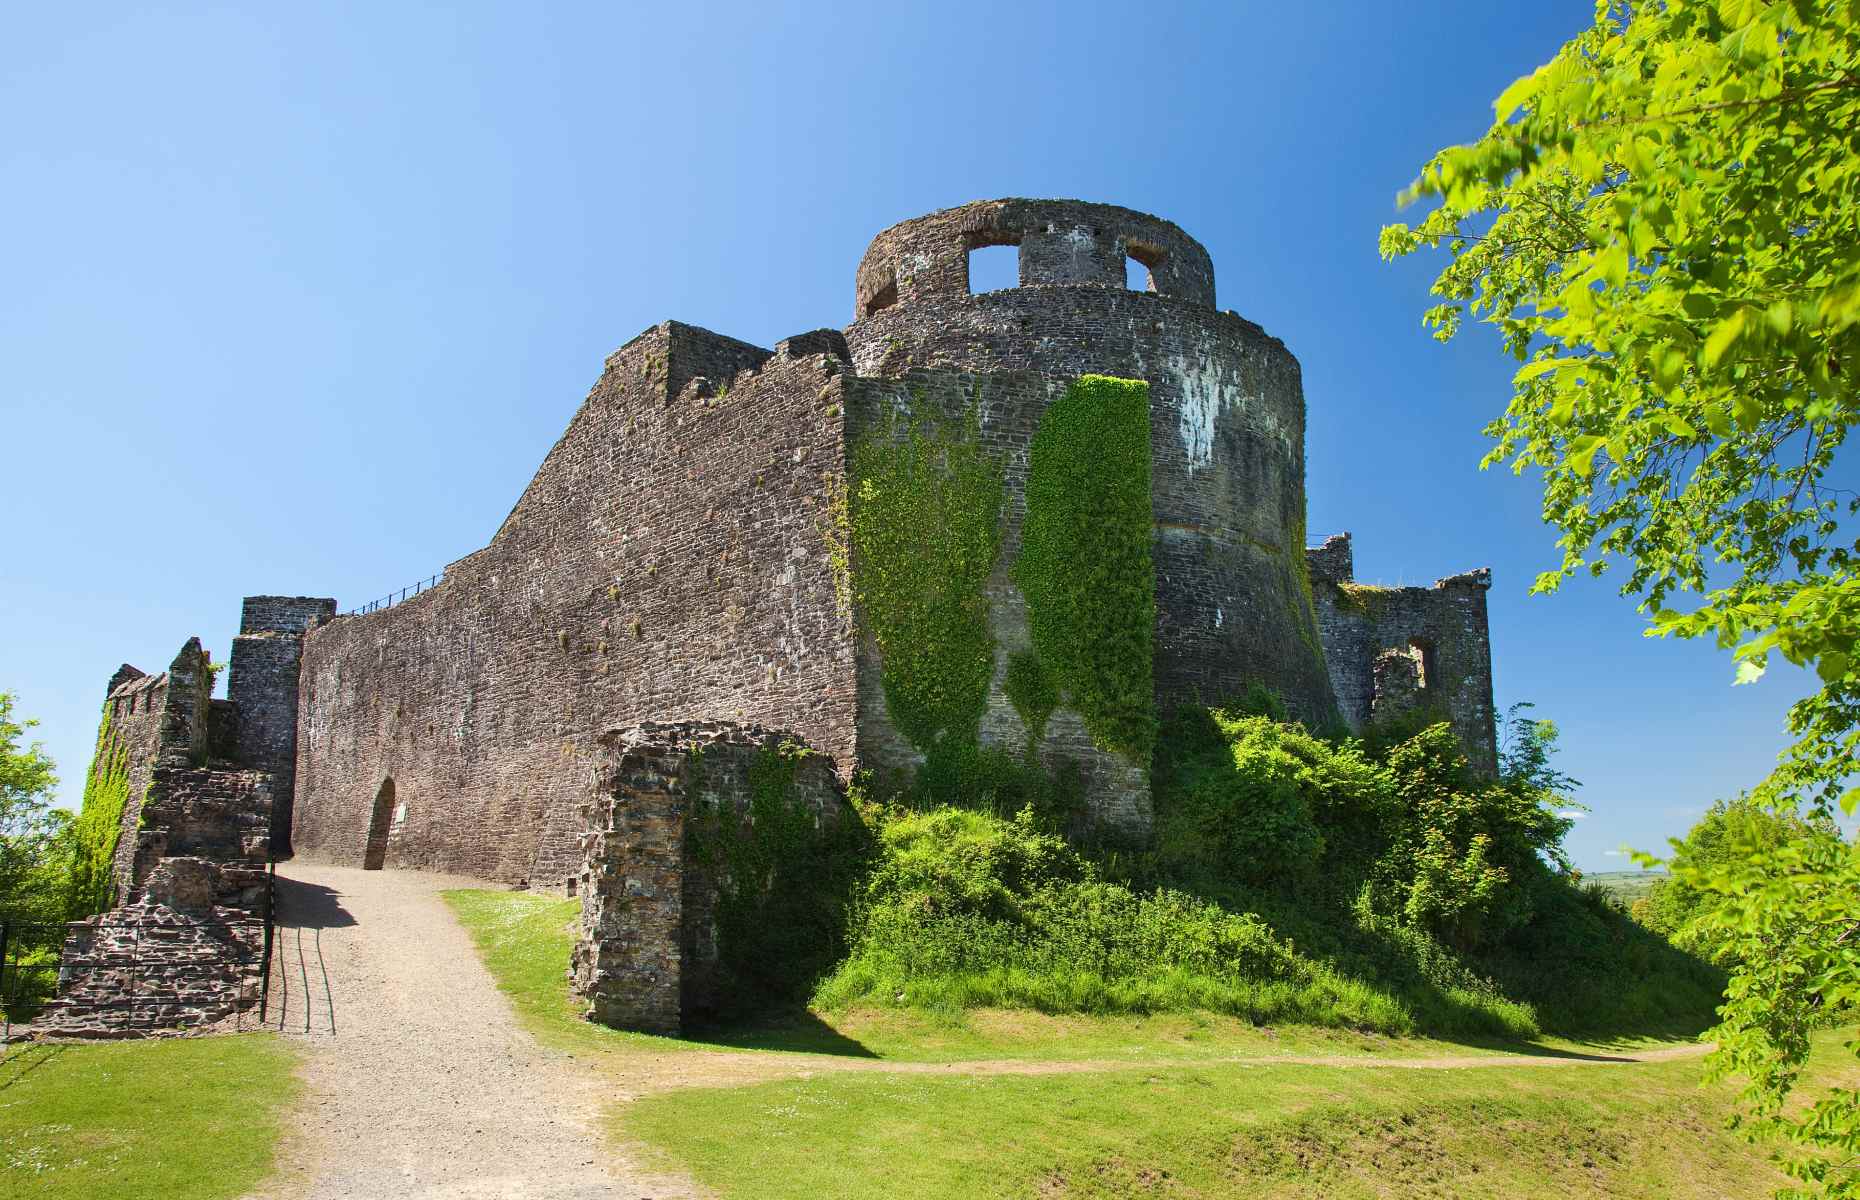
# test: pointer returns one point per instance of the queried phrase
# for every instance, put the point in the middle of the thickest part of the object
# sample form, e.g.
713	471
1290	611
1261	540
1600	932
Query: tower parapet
1227	413
1063	243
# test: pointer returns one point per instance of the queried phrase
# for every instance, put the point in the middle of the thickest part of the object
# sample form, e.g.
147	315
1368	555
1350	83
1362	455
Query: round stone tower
1227	416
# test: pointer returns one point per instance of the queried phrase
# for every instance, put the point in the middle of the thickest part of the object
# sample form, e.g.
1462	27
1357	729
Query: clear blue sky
297	297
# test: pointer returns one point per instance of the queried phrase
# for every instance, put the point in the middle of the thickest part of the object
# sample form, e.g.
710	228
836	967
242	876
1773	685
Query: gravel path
419	1082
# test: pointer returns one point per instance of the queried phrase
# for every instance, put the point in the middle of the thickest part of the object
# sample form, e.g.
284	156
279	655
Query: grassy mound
967	910
1379	886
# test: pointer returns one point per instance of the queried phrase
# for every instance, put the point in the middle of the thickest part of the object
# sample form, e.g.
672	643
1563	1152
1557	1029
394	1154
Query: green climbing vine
924	509
1085	564
784	877
1030	688
94	833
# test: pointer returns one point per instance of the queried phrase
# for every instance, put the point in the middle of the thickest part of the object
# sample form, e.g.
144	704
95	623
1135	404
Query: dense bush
1447	886
1246	796
1291	877
969	909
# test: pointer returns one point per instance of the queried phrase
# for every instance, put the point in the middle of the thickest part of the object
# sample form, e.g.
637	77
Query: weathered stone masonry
673	560
263	691
682	556
1395	649
180	945
668	563
646	952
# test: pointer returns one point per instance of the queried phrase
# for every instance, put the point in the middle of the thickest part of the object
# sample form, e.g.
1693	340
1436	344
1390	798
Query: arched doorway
375	856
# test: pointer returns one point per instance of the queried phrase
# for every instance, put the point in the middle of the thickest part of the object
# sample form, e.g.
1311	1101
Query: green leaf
1582	452
1749	671
1515	96
1542	366
1723	334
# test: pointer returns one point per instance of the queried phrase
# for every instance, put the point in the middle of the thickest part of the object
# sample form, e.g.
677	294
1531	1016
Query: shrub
968	909
990	779
1292	878
1240	795
1464	854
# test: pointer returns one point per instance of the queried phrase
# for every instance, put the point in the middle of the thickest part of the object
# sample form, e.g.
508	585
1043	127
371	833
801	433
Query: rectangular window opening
992	268
1140	262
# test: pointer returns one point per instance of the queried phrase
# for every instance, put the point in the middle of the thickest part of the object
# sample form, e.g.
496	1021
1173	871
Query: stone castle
683	567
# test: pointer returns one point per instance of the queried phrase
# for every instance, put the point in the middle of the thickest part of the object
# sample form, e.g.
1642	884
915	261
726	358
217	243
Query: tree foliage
1663	223
1730	832
32	832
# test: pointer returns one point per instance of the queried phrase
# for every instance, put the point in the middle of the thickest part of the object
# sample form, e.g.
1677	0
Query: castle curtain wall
668	562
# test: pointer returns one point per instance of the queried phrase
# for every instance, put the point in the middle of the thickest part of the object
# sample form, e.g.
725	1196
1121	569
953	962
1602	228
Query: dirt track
419	1082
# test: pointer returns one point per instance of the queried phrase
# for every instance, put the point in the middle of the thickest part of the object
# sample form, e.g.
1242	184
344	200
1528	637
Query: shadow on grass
21	1063
795	1031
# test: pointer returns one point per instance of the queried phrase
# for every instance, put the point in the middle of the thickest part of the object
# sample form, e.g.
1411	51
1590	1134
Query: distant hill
1625	886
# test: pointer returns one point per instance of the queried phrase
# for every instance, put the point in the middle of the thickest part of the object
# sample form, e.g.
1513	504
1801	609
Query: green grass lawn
1183	1120
1643	1130
185	1118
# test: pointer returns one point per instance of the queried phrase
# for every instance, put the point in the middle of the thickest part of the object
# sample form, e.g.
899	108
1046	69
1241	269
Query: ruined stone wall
1007	407
265	662
1227	415
181	947
646	953
221	814
1391	650
155	720
134	710
668	562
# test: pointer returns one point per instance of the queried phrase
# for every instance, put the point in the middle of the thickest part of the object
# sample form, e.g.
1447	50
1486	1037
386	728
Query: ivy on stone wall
1030	688
784	879
924	507
1085	566
98	824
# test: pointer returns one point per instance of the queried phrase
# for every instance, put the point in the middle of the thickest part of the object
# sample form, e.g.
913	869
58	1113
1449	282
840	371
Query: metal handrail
393	598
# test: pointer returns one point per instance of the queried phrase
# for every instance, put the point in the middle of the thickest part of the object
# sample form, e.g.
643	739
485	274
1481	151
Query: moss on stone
99	824
924	510
1085	564
1364	598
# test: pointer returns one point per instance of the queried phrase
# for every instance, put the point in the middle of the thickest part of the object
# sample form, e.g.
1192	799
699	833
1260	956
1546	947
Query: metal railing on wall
393	598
